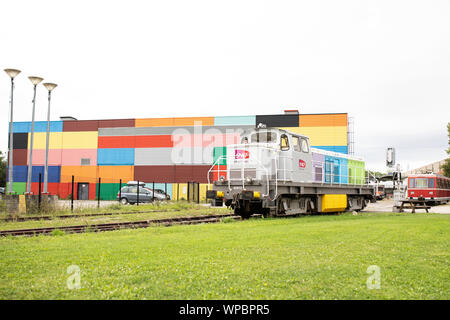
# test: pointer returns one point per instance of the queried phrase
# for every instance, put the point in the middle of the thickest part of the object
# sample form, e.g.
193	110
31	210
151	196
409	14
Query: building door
83	191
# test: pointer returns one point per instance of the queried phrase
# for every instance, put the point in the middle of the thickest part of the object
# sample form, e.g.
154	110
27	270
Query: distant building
435	167
167	151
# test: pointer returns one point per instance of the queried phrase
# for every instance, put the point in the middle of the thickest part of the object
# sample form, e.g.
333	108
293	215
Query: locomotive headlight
249	180
222	179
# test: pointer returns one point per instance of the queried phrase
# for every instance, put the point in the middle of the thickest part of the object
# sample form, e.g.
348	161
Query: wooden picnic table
413	204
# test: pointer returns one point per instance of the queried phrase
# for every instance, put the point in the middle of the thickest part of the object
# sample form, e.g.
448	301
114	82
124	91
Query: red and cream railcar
432	187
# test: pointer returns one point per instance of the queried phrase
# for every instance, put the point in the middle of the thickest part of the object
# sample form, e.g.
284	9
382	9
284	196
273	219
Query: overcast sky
386	63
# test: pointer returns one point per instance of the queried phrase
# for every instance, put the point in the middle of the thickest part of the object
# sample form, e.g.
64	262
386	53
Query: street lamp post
49	86
35	81
12	73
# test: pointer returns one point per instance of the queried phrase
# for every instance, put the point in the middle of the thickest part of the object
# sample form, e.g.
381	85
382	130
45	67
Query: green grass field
314	257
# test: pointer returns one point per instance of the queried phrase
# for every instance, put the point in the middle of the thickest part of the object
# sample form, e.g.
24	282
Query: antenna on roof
261	126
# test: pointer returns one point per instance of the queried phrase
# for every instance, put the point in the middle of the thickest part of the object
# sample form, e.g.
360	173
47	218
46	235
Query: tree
2	170
446	166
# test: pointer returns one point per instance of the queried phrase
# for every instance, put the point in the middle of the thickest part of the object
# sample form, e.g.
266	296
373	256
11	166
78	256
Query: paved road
386	206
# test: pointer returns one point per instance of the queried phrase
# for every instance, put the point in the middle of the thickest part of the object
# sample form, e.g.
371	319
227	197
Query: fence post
153	193
188	193
198	192
39	197
98	196
71	200
137	200
178	194
165	189
120	189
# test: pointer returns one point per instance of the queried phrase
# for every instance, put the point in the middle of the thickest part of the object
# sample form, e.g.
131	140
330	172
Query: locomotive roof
336	154
315	150
248	131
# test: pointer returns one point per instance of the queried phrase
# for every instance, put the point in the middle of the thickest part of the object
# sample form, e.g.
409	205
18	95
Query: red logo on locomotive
241	154
301	163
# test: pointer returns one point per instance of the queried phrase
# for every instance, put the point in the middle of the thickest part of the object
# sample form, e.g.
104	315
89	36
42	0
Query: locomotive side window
318	173
411	183
264	137
305	147
430	183
284	144
296	143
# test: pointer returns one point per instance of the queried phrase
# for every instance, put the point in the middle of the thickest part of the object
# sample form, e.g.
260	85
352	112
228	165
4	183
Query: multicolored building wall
167	151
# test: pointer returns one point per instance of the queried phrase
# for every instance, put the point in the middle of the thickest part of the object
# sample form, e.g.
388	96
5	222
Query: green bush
227	220
58	232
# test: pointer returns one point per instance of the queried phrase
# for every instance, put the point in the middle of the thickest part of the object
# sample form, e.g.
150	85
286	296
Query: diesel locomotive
275	172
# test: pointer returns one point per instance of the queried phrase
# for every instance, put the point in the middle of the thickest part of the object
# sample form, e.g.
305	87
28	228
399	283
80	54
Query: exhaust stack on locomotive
277	173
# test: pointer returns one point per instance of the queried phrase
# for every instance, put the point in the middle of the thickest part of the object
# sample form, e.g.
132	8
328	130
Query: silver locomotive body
271	172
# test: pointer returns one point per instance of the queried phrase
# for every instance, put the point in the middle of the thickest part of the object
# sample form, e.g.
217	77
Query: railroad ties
120	225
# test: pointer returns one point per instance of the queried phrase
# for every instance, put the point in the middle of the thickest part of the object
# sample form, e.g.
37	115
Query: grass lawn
314	257
113	208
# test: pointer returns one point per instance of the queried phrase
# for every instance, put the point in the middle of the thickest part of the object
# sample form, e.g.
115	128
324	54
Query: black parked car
129	195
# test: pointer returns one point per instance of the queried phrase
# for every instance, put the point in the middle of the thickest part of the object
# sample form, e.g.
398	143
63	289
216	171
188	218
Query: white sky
386	63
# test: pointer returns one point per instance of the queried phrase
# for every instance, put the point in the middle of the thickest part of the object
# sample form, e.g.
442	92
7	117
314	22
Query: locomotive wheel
243	213
243	209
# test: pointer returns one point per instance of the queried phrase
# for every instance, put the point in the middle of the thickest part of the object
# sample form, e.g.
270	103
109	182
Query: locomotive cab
283	155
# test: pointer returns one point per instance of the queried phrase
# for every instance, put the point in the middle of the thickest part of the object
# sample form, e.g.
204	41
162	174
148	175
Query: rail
119	225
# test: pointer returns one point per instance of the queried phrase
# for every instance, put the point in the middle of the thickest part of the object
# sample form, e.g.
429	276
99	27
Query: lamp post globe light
49	86
35	81
12	73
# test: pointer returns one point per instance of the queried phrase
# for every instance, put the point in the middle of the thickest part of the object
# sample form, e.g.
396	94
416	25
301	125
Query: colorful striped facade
167	151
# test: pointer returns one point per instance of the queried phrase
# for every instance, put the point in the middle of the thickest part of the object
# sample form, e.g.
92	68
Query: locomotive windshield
264	137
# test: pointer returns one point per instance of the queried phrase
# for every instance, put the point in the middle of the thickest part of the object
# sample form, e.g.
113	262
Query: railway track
119	225
68	216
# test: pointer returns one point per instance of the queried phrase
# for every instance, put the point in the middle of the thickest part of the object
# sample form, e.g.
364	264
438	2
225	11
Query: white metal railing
241	170
271	171
355	176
